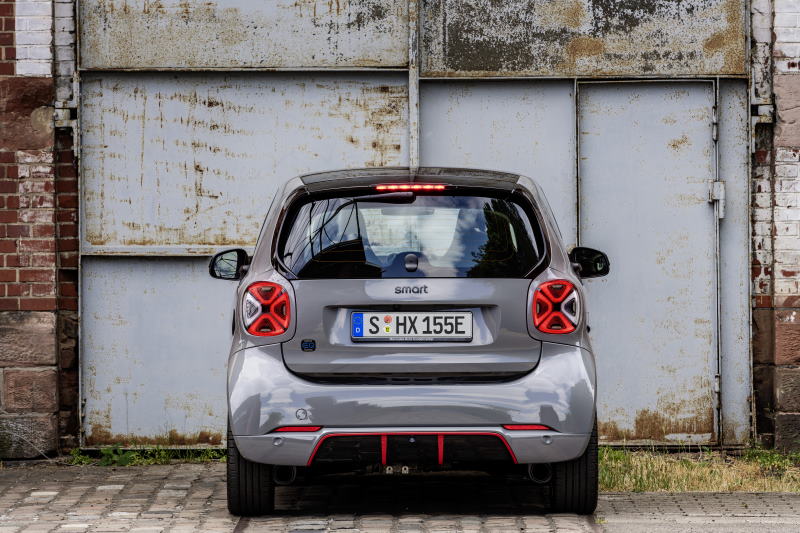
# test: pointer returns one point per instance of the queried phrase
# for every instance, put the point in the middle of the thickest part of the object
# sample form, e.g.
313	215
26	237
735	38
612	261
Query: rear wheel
575	482
251	490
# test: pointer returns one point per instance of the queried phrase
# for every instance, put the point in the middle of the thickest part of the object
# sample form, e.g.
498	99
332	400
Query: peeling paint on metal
101	436
591	38
238	34
194	161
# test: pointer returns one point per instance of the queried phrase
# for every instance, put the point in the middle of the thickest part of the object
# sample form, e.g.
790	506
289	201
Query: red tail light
296	429
526	427
410	187
555	307
265	309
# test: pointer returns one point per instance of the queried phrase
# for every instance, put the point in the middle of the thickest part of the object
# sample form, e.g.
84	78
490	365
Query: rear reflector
526	427
410	187
296	429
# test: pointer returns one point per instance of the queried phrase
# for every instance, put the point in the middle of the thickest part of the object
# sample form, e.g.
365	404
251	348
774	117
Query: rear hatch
400	286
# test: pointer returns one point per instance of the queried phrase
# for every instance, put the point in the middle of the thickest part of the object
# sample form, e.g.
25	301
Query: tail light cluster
556	307
265	309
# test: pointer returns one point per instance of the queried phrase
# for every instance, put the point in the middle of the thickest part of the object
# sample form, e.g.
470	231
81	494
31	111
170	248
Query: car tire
251	489
574	488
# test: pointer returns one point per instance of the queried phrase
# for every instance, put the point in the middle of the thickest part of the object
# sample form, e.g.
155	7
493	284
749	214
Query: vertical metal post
413	86
718	214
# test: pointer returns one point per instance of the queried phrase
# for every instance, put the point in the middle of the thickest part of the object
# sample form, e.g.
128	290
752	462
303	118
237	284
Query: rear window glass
404	235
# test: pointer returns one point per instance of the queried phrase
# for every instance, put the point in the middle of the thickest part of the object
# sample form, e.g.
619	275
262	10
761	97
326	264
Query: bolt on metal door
646	159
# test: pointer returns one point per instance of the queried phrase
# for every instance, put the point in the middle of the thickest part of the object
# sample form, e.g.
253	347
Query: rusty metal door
646	159
173	169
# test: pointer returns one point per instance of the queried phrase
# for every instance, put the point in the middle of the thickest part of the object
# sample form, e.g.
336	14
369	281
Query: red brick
43	260
42	275
12	202
7	157
6	68
67	185
2	202
10	52
44	230
67	230
33	245
8	275
12	172
763	301
18	230
68	289
68	304
43	289
6	10
67	245
68	260
8	247
6	37
66	171
2	227
66	215
9	304
10	24
17	260
68	201
18	289
37	304
7	186
64	156
8	216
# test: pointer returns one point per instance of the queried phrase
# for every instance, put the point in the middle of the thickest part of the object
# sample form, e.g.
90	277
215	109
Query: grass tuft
756	470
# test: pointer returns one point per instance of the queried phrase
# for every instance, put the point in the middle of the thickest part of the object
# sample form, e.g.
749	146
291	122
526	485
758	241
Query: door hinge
716	388
714	124
716	194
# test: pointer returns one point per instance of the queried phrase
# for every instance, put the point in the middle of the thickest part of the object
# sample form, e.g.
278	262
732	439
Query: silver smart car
393	321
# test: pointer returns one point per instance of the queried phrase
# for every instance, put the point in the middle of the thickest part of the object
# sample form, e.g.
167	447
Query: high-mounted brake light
410	187
555	307
526	427
296	429
265	309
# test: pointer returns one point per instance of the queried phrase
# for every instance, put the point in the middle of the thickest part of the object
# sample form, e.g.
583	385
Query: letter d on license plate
451	326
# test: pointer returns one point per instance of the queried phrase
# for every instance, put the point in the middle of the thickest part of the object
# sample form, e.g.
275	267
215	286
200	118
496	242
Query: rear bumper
298	449
559	393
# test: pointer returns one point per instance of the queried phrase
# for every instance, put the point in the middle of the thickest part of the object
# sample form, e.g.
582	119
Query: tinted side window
419	236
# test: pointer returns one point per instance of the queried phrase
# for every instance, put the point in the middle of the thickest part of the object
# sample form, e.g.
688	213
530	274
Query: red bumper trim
384	441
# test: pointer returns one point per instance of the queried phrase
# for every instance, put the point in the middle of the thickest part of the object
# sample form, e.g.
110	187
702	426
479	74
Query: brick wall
777	241
29	288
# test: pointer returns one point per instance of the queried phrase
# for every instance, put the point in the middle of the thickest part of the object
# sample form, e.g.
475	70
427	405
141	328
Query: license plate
419	327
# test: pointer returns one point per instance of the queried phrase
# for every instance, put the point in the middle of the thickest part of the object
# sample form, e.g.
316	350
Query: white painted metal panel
183	165
156	336
646	156
735	261
242	34
514	126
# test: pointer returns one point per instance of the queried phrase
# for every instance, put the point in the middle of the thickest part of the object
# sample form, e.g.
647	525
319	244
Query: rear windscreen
405	235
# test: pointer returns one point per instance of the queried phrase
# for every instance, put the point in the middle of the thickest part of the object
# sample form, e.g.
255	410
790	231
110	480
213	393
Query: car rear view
394	322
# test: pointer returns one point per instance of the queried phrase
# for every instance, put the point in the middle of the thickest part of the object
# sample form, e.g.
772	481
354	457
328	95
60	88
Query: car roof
321	181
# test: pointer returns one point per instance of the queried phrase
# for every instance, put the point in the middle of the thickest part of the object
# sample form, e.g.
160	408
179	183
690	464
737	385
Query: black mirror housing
590	263
229	264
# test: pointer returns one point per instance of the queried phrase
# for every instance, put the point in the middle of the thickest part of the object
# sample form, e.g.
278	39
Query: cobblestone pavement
191	497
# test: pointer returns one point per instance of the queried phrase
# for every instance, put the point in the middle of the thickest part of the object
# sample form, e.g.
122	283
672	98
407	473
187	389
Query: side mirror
589	263
229	264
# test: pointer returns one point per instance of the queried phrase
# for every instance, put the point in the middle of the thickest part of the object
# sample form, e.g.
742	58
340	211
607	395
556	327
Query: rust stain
101	436
681	142
579	48
651	425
